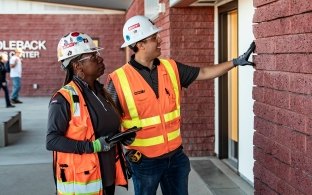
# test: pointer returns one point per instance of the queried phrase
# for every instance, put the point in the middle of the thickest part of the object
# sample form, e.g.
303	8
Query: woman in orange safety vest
81	118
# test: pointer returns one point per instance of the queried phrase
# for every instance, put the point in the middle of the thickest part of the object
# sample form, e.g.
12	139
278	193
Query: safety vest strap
70	188
173	79
74	97
141	123
155	140
174	134
172	115
148	141
127	92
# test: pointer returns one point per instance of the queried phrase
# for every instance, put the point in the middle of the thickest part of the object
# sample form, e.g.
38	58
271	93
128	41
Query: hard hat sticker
68	45
127	37
75	34
137	25
79	39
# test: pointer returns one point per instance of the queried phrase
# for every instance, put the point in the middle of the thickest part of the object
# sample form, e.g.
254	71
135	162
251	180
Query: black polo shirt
187	75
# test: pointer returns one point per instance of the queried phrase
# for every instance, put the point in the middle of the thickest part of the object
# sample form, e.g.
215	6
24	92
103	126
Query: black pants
109	190
6	93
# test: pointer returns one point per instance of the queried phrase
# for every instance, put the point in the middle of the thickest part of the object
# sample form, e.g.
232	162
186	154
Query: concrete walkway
26	166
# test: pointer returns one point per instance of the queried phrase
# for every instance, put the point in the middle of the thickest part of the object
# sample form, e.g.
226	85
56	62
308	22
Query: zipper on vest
99	100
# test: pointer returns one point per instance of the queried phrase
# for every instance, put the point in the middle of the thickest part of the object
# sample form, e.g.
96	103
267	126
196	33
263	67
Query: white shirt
16	71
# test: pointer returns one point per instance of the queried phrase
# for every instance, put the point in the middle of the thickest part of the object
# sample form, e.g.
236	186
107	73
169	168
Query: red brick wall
136	8
191	37
187	36
46	71
283	143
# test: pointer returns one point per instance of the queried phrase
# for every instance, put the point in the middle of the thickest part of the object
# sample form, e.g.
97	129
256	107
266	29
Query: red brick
265	111
273	28
258	78
264	143
269	97
302	62
282	170
300	6
269	78
284	188
265	45
265	127
271	11
301	180
297	43
309	147
258	3
300	23
258	94
301	83
291	119
290	138
265	62
301	104
282	99
282	153
302	162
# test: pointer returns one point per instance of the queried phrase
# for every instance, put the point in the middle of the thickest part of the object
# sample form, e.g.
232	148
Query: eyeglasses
153	37
94	57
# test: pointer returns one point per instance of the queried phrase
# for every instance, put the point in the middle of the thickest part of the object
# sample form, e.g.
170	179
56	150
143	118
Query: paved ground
26	168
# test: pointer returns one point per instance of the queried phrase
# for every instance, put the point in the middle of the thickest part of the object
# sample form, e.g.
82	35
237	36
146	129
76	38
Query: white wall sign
31	49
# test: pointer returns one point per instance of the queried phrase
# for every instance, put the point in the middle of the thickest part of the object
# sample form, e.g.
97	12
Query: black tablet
121	135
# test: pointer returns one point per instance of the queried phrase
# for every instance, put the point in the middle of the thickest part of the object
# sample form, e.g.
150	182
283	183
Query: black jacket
3	71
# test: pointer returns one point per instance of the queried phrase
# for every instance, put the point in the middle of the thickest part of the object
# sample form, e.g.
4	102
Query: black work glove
242	60
101	145
129	139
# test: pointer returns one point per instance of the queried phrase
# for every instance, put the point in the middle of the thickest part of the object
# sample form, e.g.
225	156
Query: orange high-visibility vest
80	173
158	117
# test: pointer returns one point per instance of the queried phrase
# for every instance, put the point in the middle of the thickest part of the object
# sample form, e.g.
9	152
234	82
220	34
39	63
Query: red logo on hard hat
134	26
75	34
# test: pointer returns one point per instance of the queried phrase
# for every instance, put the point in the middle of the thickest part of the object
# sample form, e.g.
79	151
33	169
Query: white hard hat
138	28
74	44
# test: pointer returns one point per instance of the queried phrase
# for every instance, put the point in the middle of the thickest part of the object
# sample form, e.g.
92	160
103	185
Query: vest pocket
64	179
88	180
87	174
80	180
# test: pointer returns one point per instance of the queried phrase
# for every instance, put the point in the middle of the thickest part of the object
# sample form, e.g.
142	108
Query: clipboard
121	135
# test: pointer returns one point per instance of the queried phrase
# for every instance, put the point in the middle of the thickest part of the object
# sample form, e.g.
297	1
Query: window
151	8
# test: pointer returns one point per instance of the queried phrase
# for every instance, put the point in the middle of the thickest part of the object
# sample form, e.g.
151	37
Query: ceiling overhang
121	5
187	3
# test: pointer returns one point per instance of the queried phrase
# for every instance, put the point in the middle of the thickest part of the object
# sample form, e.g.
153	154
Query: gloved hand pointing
101	145
243	59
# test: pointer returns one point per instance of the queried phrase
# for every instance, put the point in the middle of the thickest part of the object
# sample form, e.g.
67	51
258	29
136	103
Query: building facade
282	95
256	119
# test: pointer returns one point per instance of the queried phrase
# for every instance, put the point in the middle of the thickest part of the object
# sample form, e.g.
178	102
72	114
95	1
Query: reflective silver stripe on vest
79	188
75	105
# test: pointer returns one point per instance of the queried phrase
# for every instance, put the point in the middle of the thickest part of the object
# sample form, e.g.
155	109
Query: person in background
82	116
16	75
148	91
3	81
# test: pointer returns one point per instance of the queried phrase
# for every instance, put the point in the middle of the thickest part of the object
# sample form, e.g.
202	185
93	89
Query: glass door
232	90
228	85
